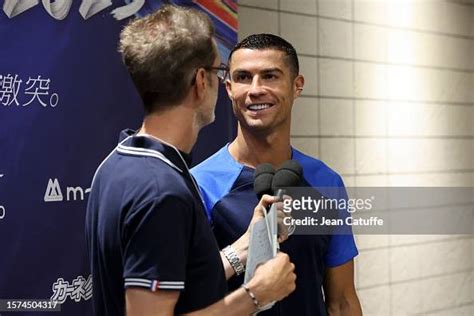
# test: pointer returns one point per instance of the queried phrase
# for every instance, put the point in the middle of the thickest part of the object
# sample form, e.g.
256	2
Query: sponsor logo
79	289
54	192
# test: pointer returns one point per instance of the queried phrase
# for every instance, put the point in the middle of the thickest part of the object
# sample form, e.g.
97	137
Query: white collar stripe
108	156
154	154
139	149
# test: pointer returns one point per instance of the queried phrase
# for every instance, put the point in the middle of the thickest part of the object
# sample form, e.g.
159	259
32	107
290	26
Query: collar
231	159
148	146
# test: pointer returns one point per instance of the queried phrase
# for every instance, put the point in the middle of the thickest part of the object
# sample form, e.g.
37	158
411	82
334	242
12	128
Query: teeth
257	107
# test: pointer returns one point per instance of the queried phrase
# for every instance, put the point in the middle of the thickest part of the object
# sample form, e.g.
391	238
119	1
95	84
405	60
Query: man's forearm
235	304
273	281
162	303
241	248
347	306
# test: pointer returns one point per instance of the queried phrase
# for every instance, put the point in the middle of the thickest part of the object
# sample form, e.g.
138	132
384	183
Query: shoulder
342	247
216	175
316	172
218	165
139	178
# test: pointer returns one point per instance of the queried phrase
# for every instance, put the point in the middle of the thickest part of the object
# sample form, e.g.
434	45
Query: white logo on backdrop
54	192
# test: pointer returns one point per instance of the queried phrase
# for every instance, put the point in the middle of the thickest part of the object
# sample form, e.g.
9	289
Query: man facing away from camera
152	251
263	83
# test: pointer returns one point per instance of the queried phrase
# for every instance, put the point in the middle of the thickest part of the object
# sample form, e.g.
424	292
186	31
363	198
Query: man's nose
256	88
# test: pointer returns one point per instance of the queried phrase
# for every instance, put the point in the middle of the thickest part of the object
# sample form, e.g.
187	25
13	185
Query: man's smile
256	107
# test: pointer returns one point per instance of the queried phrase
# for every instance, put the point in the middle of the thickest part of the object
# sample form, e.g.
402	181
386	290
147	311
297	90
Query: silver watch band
233	259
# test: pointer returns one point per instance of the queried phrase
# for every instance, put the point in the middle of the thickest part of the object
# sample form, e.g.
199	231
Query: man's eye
242	77
269	76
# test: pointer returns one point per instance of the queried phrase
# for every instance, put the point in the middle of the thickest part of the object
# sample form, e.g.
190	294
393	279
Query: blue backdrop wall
64	97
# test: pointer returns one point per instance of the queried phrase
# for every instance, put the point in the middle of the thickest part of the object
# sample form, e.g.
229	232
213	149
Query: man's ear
201	84
298	85
228	88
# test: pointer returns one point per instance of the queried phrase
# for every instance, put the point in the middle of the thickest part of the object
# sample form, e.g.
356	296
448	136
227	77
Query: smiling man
263	85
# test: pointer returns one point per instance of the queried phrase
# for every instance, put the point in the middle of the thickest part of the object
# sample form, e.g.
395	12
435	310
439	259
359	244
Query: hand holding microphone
266	182
269	181
270	275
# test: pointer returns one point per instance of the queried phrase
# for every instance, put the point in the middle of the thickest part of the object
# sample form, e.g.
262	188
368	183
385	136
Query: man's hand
273	280
259	212
241	245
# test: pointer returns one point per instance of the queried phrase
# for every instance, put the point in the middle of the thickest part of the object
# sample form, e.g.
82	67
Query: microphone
263	178
289	174
269	181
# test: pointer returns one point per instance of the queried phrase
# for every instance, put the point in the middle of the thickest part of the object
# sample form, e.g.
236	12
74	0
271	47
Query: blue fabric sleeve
215	177
342	247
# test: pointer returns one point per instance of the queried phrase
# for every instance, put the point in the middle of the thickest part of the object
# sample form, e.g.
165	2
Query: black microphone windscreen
263	178
289	174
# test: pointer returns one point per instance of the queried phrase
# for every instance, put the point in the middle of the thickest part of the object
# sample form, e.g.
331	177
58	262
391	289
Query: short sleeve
156	243
342	247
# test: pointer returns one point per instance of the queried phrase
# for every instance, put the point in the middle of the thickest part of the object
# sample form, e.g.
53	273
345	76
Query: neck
252	149
176	126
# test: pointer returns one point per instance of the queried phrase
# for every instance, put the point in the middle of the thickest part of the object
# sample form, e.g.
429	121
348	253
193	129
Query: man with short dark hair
152	251
263	84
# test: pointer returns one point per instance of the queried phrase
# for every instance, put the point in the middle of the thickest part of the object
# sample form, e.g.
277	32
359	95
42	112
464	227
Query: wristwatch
233	259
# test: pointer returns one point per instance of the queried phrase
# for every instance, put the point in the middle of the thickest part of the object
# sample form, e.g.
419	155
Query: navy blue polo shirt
227	189
146	227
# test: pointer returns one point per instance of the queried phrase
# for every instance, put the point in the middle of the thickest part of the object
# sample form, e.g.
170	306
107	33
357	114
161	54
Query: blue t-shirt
146	227
227	189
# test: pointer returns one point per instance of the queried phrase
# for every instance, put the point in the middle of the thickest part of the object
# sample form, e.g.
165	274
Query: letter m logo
53	191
